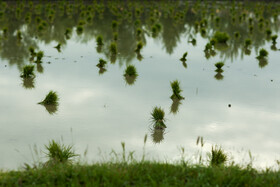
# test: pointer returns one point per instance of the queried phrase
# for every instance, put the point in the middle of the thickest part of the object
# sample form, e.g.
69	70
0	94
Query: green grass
50	99
59	153
139	174
61	169
175	85
217	156
28	71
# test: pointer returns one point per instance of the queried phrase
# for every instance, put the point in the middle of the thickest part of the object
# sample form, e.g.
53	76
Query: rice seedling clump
99	40
158	118
50	99
184	56
39	56
139	46
221	37
28	71
101	63
175	85
130	71
274	38
262	54
113	48
219	65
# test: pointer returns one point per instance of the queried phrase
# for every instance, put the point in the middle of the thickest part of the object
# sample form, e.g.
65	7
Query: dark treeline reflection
25	23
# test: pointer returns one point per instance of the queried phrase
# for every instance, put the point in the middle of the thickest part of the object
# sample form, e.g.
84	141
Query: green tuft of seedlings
130	74
251	28
217	156
130	71
139	46
115	36
67	33
19	35
113	48
59	153
39	56
203	31
221	37
193	41
184	57
101	63
32	51
274	38
139	32
50	99
28	71
248	42
114	25
58	47
262	54
156	28
217	20
175	85
219	66
236	34
250	20
5	31
99	40
80	29
268	32
158	118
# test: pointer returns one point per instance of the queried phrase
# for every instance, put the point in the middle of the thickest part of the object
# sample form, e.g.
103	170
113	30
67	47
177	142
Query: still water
98	111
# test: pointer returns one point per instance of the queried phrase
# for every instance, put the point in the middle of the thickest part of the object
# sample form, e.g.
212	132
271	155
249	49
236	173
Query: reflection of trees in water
174	18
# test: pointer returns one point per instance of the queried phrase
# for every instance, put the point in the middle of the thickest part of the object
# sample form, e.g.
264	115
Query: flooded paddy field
210	68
